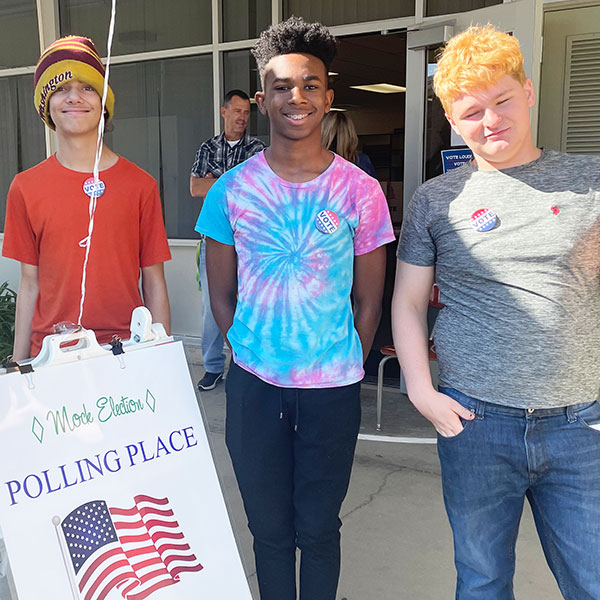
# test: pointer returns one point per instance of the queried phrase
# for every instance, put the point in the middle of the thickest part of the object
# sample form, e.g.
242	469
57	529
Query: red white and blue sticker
89	187
483	220
327	221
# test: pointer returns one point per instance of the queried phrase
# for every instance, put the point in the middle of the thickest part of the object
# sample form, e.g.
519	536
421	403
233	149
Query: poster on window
452	159
108	488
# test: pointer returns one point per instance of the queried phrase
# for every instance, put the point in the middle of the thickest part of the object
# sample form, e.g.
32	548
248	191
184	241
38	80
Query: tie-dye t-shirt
295	245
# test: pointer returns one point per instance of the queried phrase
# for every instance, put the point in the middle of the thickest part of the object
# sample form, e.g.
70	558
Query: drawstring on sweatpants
297	415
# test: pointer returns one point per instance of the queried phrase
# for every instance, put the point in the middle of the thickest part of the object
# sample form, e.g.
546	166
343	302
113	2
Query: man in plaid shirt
213	158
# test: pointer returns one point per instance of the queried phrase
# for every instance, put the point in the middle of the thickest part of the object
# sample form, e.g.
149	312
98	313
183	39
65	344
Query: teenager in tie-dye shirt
291	233
293	324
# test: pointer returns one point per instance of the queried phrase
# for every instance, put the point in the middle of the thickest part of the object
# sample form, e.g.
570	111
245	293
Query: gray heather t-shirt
517	261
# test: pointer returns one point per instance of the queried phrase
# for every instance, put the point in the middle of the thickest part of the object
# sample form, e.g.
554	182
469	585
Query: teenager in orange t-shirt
47	214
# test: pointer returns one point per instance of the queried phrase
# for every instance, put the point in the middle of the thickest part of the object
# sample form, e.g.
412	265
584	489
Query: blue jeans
292	451
550	456
212	340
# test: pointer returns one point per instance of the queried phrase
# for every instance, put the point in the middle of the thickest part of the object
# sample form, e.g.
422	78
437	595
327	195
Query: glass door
427	131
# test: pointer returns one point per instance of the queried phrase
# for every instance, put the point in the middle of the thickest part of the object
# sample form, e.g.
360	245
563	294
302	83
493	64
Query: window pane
445	7
163	112
22	142
245	19
240	72
336	12
20	40
141	25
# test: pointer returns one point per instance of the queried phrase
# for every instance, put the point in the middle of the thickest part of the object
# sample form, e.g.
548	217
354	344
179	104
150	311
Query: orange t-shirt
46	218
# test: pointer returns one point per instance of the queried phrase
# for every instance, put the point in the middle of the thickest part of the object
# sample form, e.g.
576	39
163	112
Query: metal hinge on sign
116	347
26	370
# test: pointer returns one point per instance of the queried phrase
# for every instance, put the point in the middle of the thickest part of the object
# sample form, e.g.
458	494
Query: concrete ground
396	542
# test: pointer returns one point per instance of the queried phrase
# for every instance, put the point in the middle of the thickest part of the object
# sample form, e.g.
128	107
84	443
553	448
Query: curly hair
294	36
476	58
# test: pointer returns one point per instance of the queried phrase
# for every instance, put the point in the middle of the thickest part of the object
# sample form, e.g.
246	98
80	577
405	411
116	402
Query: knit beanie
69	58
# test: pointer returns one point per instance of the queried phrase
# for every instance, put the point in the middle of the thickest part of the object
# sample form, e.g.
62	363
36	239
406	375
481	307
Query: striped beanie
69	58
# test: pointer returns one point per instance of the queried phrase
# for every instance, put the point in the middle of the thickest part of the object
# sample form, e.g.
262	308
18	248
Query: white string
99	146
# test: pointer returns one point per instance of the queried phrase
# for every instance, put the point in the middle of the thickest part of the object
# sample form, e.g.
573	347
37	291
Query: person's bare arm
221	270
409	325
156	299
199	186
26	298
367	291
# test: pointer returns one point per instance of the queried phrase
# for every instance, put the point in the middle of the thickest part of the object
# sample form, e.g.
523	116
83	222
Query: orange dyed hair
476	58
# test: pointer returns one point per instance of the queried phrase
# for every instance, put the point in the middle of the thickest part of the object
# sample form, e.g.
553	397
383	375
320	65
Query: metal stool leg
380	388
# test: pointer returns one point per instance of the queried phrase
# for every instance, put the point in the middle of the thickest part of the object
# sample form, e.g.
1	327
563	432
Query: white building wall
185	298
9	270
180	273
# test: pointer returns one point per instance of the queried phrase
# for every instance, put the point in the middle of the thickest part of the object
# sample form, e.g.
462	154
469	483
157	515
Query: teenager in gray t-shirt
521	287
513	241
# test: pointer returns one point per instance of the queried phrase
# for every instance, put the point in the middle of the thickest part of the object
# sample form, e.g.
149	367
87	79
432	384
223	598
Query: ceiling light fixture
380	88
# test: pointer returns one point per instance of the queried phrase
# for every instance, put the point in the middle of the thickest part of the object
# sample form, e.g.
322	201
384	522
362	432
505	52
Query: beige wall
180	272
558	25
186	302
9	270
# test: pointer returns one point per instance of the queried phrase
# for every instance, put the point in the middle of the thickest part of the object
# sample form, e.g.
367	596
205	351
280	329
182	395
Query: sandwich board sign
108	488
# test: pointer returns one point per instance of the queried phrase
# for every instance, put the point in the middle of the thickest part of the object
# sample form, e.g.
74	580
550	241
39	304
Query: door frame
523	18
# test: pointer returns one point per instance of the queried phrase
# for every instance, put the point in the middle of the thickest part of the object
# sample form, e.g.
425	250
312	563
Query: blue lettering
189	436
48	484
146	459
12	491
78	463
160	446
90	465
116	463
39	485
172	444
132	450
49	481
69	484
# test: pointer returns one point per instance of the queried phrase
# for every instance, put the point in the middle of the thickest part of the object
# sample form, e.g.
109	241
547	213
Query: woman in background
339	135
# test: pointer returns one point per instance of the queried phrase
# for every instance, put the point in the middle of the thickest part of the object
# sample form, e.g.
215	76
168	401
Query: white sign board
107	484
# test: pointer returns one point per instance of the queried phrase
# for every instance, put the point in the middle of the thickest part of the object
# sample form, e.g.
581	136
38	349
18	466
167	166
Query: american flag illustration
137	550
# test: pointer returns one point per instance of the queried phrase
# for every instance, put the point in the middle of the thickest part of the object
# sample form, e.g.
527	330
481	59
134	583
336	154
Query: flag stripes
138	550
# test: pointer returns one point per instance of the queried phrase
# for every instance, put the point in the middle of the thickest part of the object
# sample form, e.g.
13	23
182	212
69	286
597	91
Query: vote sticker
327	221
483	220
89	187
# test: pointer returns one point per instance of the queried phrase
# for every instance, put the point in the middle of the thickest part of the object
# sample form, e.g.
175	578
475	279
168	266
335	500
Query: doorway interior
377	61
